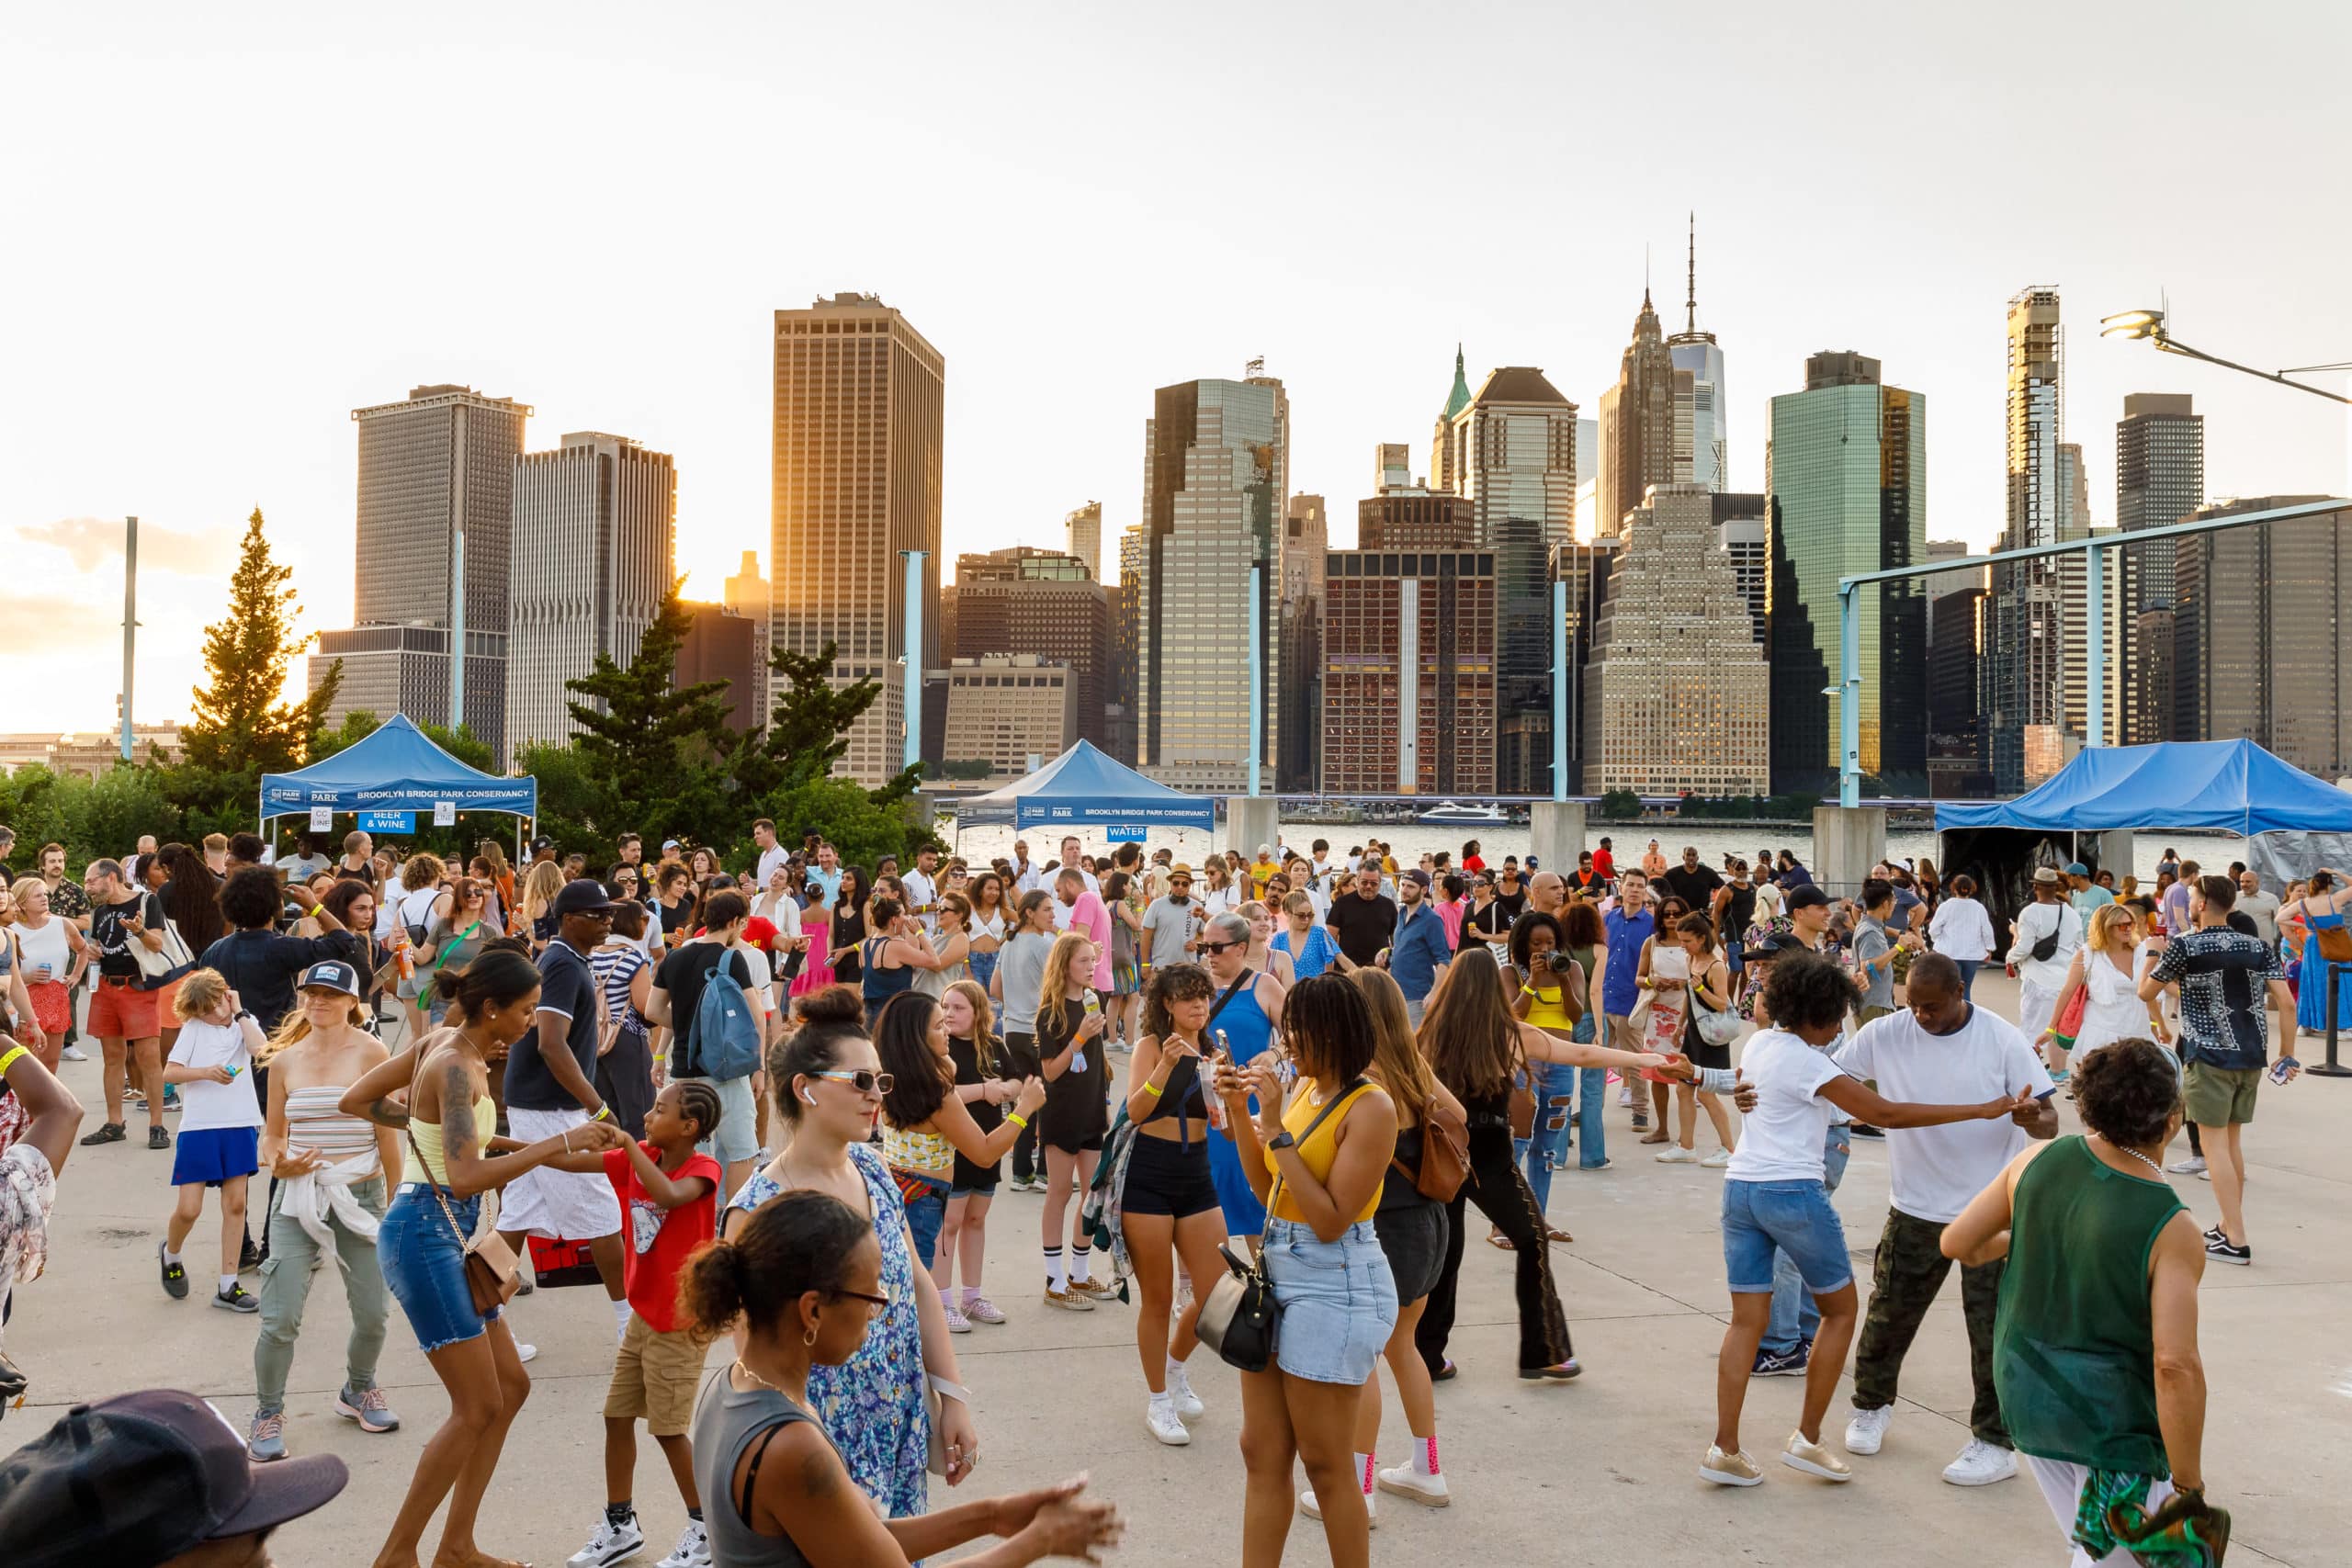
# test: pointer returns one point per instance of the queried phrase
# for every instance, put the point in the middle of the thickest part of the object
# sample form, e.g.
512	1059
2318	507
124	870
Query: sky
230	226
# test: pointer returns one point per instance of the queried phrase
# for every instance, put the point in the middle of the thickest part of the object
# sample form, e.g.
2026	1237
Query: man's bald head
1547	892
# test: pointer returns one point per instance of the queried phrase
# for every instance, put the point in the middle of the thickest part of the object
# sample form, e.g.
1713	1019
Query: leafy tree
646	737
242	725
1620	805
356	726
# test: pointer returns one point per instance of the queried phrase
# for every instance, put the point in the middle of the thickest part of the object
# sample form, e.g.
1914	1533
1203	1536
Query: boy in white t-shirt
1774	1196
220	1122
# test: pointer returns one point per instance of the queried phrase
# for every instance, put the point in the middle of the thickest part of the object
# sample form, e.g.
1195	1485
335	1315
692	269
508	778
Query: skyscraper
1700	446
860	398
1956	625
746	593
2262	647
1083	525
1848	478
1217	471
1126	642
1743	527
436	486
1677	696
2159	480
1023	600
593	533
1307	529
2024	713
1637	422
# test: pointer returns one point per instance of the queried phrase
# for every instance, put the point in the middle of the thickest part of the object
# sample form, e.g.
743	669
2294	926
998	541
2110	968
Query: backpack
1445	1153
727	1028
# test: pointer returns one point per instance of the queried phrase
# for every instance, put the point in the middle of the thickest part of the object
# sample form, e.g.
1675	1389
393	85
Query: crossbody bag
492	1272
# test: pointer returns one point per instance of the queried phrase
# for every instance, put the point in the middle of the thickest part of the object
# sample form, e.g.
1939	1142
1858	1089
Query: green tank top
2073	1351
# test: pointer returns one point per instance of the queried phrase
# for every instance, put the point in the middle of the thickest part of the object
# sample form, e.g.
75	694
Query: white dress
2112	1011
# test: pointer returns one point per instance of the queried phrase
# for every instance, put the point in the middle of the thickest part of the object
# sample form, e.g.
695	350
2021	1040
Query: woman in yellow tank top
1317	1163
438	1094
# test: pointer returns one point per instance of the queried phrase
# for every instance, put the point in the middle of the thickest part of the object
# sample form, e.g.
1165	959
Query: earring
810	1338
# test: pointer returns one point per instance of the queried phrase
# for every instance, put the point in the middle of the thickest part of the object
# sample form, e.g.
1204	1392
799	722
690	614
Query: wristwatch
1282	1140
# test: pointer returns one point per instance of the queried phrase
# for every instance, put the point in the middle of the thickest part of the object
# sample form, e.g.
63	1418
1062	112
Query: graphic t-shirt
660	1240
2223	978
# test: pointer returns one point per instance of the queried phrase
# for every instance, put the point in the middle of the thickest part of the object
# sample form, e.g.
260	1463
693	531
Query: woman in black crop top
1167	1206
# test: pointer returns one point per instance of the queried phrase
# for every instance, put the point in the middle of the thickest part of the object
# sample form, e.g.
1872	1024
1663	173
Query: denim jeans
1540	1155
1592	1100
285	1287
1968	968
1795	1317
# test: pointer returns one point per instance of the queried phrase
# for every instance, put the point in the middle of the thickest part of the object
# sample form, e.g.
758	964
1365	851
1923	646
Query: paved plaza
1602	1470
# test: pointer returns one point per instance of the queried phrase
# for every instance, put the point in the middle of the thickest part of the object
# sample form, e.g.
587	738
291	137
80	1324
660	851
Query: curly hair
2126	1091
1806	991
1523	935
1172	983
1329	1029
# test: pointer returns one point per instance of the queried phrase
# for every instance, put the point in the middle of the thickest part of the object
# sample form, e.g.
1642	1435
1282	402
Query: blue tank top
880	985
1248	1030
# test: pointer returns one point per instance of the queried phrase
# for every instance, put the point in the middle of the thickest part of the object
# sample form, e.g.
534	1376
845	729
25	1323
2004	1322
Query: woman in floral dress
872	1405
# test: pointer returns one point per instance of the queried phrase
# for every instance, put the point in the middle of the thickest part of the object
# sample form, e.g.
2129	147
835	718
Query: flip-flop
1557	1236
1660	1136
1499	1241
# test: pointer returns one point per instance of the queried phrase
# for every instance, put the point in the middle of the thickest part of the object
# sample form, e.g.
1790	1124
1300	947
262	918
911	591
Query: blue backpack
727	1028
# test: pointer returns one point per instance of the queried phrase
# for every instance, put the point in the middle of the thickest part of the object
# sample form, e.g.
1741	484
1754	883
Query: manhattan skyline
240	235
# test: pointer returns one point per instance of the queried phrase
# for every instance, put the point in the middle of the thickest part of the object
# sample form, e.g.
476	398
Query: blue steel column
2094	644
1850	695
911	648
1560	657
1256	679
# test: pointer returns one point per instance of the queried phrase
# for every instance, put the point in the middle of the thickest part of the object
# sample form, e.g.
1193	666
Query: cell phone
2046	1094
2281	1067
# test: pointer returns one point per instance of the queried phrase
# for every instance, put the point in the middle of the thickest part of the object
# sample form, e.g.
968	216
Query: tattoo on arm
820	1474
385	1111
457	1133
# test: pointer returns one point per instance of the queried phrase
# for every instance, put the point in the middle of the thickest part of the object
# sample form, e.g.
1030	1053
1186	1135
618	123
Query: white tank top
46	946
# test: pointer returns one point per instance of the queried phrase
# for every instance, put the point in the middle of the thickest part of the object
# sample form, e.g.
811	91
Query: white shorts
556	1203
2062	1488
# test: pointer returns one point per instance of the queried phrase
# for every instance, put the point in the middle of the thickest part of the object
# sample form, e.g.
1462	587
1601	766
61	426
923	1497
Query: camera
1561	963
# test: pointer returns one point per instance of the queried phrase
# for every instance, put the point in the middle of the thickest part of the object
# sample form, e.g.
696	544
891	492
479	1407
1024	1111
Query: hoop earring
810	1338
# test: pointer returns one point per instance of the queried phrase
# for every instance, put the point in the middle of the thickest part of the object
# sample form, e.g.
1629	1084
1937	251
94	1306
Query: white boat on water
1452	811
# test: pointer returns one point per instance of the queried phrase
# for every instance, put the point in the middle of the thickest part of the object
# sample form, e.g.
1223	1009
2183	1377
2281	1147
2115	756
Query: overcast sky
232	225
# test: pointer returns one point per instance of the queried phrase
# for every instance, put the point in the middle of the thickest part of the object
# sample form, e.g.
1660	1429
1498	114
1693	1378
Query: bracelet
1152	1089
567	1140
1018	1120
604	1113
9	1060
1529	991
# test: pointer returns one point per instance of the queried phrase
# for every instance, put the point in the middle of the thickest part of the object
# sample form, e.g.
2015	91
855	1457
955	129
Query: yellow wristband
10	1059
1018	1120
1151	1088
604	1113
1530	991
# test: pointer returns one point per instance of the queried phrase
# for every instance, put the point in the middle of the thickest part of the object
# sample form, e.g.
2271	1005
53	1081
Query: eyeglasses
874	1305
1220	946
862	1080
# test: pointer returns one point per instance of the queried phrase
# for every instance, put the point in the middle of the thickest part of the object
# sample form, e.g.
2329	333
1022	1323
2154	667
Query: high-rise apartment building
1848	479
1702	448
593	542
1307	535
722	643
1409	658
1637	422
1126	642
746	593
436	519
1082	526
857	468
1583	566
1676	697
2024	712
2159	480
2262	647
1217	471
1023	600
1743	527
1013	711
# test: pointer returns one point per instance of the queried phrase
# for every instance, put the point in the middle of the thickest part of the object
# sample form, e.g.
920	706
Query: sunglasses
1220	946
862	1080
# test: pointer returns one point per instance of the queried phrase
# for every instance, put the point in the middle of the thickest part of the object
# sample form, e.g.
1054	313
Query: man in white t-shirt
1942	1049
773	854
1025	871
922	889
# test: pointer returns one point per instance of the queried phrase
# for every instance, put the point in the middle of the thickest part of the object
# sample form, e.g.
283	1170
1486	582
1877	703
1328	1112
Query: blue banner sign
387	821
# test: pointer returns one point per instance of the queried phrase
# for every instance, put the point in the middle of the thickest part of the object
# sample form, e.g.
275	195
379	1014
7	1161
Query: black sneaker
108	1132
2218	1250
174	1275
248	1257
236	1298
157	1138
1790	1364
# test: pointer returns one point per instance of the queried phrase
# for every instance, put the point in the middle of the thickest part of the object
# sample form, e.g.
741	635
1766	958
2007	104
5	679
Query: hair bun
832	1005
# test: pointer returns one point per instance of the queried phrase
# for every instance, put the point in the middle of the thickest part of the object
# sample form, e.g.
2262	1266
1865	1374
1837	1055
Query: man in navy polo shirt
1419	951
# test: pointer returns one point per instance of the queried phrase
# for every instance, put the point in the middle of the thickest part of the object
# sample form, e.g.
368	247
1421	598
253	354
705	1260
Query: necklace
2135	1154
743	1367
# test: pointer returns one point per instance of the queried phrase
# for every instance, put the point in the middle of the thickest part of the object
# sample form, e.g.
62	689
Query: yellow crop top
1548	1008
1318	1152
427	1140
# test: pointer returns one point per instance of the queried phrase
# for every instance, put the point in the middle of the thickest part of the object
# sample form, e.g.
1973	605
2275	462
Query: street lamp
2150	325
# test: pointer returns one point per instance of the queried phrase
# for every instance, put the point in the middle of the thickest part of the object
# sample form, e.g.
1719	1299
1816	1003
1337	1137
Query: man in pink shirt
1087	915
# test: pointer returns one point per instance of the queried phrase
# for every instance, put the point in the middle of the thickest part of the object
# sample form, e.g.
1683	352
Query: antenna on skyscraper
1255	368
1691	304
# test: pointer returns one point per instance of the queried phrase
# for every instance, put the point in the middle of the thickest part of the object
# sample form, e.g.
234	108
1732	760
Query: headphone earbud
807	1096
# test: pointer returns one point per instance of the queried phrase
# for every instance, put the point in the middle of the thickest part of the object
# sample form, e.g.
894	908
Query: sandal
1557	1236
1499	1241
1660	1136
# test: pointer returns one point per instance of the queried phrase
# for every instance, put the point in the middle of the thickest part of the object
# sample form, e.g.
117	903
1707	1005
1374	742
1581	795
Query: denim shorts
425	1263
926	1197
1795	1216
737	1136
1338	1301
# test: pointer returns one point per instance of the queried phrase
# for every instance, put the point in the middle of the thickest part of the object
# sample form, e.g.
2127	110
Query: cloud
91	542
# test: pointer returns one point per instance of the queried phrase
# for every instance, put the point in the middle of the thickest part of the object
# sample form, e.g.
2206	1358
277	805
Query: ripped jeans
1540	1155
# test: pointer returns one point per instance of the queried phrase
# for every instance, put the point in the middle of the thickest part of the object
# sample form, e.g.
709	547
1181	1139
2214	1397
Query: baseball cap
1773	944
140	1478
332	976
583	896
2078	868
669	844
541	843
1808	896
1417	875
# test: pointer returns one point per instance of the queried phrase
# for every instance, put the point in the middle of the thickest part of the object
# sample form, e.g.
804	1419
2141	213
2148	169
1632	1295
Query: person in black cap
149	1480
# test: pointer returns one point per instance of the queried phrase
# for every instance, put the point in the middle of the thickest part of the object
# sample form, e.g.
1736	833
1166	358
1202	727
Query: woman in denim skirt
1319	1163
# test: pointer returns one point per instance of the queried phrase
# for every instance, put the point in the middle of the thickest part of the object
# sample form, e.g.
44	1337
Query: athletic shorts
548	1202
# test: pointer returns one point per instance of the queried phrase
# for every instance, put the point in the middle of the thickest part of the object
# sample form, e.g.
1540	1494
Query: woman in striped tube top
325	1198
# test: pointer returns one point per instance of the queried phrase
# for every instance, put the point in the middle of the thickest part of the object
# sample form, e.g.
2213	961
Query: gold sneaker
1068	1301
1815	1458
1097	1289
1729	1469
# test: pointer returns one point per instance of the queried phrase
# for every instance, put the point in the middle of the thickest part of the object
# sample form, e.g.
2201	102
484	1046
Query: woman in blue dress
1247	1020
1311	945
828	1090
2320	909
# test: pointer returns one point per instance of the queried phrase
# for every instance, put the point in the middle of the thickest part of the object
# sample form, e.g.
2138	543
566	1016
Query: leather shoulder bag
492	1272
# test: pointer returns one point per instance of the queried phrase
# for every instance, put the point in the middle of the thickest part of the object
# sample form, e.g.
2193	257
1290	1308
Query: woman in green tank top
2094	1343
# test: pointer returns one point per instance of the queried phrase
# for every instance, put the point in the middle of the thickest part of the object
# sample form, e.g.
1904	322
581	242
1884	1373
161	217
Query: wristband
1151	1088
9	1058
1018	1120
1529	991
604	1113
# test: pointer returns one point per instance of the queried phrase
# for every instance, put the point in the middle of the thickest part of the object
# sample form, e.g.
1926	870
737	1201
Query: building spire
1459	398
1691	324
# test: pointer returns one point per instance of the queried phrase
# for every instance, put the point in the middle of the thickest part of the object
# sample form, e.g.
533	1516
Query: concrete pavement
1602	1469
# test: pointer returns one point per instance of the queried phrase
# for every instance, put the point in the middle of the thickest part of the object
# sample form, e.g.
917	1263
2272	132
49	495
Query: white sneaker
1624	1097
1867	1430
1981	1464
979	1309
1717	1160
608	1545
1675	1154
1431	1491
1314	1510
1180	1393
956	1322
72	1054
525	1352
1160	1419
2194	1164
693	1550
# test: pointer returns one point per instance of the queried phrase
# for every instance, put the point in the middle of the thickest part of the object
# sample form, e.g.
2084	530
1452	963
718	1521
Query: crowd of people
775	1107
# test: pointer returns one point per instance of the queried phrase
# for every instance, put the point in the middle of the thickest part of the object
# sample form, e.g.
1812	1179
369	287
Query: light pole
2149	326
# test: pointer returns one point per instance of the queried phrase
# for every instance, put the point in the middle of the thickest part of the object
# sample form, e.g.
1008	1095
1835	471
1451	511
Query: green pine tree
652	742
242	725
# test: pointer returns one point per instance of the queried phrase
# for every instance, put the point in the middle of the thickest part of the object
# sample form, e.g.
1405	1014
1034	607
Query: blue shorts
737	1136
926	1203
425	1263
1338	1301
1796	1217
214	1155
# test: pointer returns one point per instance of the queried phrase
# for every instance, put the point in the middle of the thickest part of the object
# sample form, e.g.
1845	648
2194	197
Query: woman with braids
1317	1163
830	1088
454	1167
1169	1207
927	1123
1477	1048
1775	1195
2099	1298
805	1280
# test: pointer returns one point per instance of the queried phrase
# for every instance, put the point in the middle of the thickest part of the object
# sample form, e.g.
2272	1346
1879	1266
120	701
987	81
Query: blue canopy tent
1085	788
396	768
